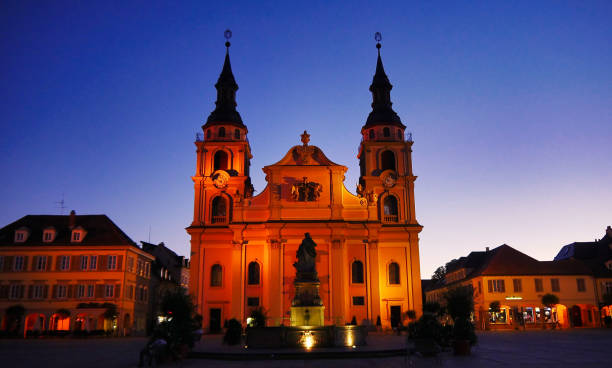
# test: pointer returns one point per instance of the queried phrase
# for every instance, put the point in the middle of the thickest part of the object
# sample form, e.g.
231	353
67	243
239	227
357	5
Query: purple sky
510	105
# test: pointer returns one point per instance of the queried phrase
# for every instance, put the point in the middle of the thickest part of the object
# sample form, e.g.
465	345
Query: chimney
609	231
72	219
487	248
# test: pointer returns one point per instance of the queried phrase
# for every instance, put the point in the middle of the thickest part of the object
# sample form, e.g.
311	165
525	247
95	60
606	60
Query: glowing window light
514	298
349	338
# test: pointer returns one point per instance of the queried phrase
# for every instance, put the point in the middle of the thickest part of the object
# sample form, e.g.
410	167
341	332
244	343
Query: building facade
243	247
69	273
518	282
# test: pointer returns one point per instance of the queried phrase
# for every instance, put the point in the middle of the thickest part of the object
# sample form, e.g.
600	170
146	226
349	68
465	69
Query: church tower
221	183
385	155
223	156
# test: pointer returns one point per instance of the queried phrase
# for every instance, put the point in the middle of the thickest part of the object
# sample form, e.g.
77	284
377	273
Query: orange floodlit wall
367	262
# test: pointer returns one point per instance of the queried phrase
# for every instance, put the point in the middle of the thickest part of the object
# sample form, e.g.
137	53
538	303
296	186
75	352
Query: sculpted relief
306	191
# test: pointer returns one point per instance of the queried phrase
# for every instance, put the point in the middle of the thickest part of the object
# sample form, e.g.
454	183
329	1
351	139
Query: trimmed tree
14	314
550	300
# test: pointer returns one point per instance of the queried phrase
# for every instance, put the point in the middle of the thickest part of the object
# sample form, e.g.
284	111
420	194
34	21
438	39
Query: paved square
568	348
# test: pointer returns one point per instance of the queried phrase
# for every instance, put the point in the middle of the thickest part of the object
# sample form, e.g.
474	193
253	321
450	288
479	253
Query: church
243	247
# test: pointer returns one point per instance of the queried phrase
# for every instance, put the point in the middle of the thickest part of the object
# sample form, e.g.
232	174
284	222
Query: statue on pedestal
306	255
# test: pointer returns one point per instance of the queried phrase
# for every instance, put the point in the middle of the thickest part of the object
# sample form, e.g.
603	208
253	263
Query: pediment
305	155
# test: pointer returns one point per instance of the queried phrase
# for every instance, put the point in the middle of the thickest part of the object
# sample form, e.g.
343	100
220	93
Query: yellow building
518	283
66	271
243	247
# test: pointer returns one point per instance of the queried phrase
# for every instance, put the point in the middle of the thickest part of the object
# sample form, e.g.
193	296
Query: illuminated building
243	247
63	269
597	256
518	283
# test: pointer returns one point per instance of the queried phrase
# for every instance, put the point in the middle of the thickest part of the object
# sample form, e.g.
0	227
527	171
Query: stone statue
306	255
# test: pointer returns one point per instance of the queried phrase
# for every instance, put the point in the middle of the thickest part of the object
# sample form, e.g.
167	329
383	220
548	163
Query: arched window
253	273
387	160
216	275
221	132
208	134
219	210
371	134
237	134
390	209
394	274
399	134
357	272
221	160
386	132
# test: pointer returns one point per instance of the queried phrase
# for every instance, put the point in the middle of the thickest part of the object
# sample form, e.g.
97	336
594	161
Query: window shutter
99	291
25	263
74	263
30	291
117	291
21	291
54	294
4	291
490	285
119	262
48	264
58	260
46	291
69	291
8	263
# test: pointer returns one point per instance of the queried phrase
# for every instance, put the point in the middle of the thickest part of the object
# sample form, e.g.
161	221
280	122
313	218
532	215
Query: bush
426	327
411	314
431	307
233	332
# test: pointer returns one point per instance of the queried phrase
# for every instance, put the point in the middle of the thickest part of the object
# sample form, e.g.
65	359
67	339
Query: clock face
388	180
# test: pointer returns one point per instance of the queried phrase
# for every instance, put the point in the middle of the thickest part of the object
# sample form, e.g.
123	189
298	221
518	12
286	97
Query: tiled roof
100	230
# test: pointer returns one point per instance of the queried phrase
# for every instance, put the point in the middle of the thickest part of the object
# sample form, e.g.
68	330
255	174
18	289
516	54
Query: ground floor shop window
499	317
528	316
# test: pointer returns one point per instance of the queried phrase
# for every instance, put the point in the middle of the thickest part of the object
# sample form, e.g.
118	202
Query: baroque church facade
243	247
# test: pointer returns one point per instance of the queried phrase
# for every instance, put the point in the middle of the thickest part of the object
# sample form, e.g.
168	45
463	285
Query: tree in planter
460	305
233	332
259	316
180	323
14	314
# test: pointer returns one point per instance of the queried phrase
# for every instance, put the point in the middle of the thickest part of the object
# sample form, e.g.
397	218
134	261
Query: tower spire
382	113
225	111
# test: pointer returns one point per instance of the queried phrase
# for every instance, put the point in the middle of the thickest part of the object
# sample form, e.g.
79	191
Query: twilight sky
510	105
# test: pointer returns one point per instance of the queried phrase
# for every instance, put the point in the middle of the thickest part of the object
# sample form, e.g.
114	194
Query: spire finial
305	138
378	37
227	34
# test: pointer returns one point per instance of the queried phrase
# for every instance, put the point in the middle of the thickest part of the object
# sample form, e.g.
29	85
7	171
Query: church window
386	132
253	302
216	275
387	160
253	273
394	273
358	300
371	134
221	160
237	134
208	134
390	209
357	272
221	132
219	210
399	134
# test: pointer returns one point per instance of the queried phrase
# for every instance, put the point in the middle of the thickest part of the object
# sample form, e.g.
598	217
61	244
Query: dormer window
77	235
21	235
48	235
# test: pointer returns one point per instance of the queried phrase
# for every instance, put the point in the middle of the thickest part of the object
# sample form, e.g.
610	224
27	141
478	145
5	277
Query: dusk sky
509	103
